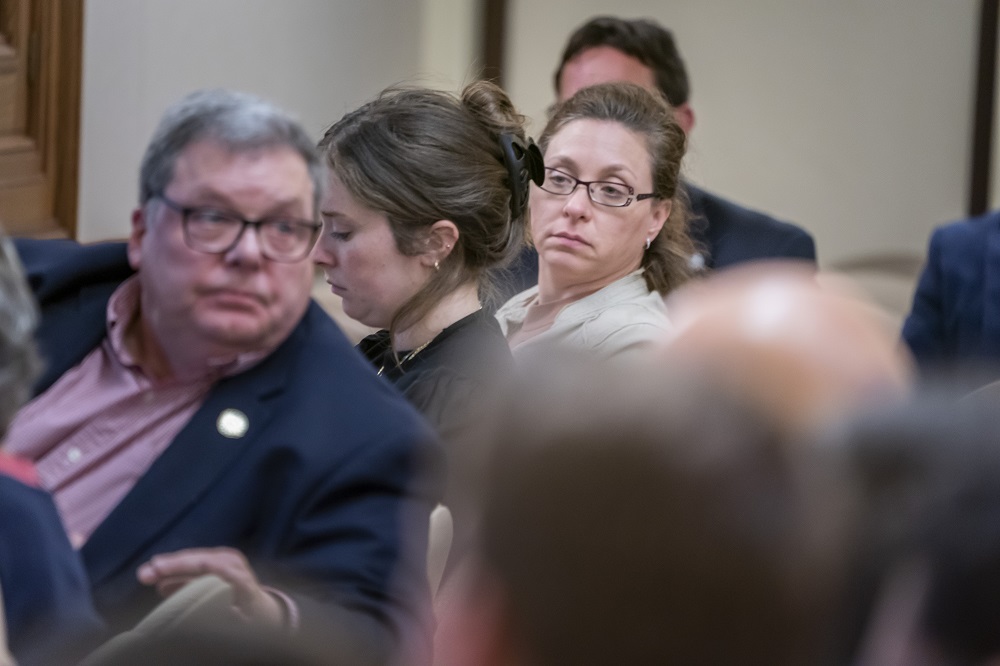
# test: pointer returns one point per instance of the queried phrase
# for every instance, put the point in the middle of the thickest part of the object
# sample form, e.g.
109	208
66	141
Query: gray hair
19	360
238	121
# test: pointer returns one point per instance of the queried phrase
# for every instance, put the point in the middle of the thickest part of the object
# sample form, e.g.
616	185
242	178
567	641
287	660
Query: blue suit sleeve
924	329
382	497
46	592
799	245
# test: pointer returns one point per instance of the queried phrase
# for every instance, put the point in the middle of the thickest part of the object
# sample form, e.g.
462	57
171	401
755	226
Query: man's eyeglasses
603	192
216	231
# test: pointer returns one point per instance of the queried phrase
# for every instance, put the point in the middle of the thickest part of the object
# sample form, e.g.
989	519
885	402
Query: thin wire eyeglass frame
632	196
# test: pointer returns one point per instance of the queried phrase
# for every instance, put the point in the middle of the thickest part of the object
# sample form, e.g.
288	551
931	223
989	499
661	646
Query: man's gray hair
238	121
19	361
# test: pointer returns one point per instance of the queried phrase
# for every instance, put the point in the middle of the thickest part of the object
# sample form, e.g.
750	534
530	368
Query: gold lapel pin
232	423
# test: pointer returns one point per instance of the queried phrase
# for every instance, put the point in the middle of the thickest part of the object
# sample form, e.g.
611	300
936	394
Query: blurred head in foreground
804	351
927	475
633	517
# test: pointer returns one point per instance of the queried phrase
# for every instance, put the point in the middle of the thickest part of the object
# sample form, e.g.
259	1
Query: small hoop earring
649	242
437	265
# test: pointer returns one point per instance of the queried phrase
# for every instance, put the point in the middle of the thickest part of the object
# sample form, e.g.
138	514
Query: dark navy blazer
955	315
723	232
318	494
729	234
46	594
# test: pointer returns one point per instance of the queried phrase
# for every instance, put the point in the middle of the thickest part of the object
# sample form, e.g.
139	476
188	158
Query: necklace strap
406	359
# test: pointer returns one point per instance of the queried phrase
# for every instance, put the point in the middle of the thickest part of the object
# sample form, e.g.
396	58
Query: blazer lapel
229	422
991	290
70	330
73	316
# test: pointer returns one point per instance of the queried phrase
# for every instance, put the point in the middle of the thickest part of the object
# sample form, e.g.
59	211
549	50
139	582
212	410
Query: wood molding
982	130
67	113
494	34
40	69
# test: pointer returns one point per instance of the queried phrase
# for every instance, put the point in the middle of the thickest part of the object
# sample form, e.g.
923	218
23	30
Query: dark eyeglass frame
590	194
265	245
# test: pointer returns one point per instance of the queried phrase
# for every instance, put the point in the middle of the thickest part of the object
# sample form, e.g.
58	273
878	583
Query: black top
448	379
451	381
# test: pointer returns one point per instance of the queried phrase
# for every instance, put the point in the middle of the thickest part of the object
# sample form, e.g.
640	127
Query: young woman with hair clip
426	201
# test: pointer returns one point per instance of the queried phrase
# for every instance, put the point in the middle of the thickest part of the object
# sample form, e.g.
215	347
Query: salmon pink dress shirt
101	426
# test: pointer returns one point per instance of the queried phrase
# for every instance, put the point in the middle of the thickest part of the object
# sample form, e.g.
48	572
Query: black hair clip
524	163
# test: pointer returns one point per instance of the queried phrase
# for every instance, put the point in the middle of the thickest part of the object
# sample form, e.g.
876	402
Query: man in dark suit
200	415
955	316
607	49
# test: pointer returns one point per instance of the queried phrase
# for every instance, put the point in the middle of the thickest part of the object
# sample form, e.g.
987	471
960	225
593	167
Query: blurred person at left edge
48	615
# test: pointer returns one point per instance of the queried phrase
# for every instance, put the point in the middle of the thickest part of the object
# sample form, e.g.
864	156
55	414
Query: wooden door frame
64	112
494	34
984	115
49	50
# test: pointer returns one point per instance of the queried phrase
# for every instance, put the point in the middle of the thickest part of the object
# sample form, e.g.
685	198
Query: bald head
806	350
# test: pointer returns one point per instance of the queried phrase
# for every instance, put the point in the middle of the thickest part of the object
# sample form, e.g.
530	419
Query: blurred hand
171	571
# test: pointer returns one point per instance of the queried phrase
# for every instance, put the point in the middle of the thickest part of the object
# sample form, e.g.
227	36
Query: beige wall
851	118
317	58
450	38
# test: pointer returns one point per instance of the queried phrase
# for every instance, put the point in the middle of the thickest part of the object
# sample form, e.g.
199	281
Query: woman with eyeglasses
609	225
426	199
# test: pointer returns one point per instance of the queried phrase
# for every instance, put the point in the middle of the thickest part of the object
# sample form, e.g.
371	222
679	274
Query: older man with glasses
200	415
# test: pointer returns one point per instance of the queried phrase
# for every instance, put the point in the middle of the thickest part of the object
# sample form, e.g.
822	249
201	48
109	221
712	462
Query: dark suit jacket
46	594
319	493
723	232
729	234
956	308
